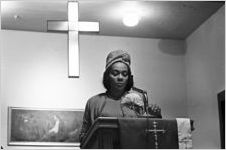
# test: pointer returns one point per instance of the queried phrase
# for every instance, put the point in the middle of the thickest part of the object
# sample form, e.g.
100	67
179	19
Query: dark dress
131	104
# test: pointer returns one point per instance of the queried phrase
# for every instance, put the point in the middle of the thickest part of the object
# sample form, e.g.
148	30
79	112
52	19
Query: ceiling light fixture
131	18
131	12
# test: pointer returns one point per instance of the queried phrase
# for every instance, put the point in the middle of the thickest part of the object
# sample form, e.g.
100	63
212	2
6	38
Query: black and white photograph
112	74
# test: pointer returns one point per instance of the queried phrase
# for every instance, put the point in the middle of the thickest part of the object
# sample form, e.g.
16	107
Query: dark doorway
221	106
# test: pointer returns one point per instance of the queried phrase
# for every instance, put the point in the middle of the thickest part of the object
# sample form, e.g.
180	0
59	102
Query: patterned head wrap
117	56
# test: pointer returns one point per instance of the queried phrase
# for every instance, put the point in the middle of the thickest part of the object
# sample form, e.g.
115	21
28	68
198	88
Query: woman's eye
125	73
114	73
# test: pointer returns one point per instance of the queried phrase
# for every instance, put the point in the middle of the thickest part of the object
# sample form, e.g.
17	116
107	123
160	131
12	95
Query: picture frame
44	127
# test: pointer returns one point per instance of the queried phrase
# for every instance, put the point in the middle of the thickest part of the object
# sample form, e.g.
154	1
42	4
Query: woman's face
119	76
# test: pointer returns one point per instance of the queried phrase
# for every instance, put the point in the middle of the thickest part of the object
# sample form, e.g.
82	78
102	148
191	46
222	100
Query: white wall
205	65
34	72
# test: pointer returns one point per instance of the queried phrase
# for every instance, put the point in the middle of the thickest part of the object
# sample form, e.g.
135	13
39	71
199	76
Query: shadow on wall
173	47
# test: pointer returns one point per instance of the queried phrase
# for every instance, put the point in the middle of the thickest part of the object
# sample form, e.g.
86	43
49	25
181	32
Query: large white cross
73	26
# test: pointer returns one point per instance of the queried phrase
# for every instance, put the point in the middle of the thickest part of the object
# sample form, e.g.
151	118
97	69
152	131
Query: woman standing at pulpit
120	98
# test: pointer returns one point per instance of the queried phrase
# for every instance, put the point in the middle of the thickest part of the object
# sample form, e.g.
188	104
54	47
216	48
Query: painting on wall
44	127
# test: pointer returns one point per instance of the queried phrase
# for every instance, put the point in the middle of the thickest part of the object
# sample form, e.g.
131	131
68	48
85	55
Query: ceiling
160	19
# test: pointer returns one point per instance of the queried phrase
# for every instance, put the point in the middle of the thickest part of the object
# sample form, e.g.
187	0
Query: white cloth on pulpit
184	133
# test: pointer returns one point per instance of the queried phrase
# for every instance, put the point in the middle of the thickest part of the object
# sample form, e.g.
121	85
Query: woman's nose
120	77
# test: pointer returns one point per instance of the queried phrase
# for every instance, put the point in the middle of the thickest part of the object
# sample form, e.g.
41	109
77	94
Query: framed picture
44	127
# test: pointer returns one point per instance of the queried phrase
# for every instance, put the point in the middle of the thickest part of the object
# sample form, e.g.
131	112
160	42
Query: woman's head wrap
117	56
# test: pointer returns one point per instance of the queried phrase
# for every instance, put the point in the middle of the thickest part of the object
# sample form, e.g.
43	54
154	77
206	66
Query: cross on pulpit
73	26
155	131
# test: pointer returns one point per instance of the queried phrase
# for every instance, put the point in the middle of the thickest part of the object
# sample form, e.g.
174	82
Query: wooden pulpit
137	133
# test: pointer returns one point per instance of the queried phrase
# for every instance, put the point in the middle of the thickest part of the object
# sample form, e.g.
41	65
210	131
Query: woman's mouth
120	84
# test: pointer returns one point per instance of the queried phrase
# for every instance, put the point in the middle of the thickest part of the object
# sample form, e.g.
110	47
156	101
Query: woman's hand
154	111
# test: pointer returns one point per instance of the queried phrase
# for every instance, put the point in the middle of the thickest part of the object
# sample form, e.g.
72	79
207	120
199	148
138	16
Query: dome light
131	19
